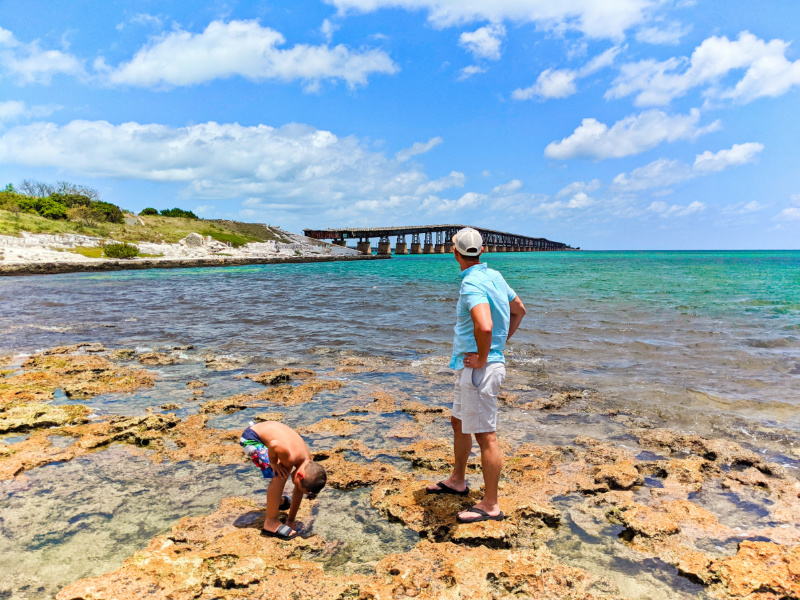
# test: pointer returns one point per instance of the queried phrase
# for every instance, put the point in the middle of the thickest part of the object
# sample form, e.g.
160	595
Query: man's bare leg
462	446
274	499
491	464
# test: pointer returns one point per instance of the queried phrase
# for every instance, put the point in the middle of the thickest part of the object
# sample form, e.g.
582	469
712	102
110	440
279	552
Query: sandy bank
41	254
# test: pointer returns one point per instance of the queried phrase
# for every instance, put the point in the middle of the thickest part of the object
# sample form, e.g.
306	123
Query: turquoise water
686	334
707	342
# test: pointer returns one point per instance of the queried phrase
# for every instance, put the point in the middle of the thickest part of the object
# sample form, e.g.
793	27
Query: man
488	313
279	452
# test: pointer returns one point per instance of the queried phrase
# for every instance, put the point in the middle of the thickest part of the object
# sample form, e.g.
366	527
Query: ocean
703	342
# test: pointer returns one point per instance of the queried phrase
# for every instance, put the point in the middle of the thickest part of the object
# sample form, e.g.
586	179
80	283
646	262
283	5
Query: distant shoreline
56	268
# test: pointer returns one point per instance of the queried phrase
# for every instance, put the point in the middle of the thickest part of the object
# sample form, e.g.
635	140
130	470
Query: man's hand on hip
473	361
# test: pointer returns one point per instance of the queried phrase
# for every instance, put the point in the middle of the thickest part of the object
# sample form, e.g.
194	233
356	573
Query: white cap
468	242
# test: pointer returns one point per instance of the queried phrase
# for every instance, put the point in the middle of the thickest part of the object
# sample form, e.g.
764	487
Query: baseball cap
468	242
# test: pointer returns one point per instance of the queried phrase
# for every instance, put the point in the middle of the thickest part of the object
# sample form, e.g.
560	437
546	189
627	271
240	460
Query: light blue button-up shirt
481	285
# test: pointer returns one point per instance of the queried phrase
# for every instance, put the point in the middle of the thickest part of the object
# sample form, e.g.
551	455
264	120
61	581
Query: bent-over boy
279	452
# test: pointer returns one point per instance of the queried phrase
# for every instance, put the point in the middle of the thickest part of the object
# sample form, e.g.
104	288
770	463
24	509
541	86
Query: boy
279	452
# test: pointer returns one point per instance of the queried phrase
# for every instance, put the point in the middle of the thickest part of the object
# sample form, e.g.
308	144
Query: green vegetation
178	212
120	250
66	208
88	251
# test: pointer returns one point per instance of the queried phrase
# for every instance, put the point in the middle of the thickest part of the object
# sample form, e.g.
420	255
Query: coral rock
620	476
157	359
280	376
34	415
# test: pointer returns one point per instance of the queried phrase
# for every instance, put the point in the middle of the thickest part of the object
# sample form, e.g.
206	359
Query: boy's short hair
315	478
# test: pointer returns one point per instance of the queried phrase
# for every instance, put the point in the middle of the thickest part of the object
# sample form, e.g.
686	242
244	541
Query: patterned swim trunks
254	448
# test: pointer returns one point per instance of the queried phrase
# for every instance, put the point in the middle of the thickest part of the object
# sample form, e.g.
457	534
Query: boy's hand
279	470
293	525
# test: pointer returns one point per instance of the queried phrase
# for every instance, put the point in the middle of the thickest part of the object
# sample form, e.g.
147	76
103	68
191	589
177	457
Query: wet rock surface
223	556
675	500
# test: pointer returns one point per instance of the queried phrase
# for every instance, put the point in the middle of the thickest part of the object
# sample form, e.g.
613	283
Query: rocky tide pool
640	461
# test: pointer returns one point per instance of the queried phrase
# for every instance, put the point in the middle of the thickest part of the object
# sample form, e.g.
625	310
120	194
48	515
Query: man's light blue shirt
481	285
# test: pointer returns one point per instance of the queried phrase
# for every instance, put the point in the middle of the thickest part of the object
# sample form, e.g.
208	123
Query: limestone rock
643	520
193	240
196	383
381	402
35	415
268	416
122	354
78	375
223	556
157	359
283	375
621	475
763	569
338	427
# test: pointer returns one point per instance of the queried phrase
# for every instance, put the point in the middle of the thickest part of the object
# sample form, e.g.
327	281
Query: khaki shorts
475	397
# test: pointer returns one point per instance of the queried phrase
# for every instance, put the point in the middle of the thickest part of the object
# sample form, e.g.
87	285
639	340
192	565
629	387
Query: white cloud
768	72
145	19
29	63
507	188
327	29
663	172
739	154
577	187
454	179
418	148
484	42
669	34
791	213
13	110
560	83
606	19
632	135
744	208
296	166
244	48
469	71
676	210
468	201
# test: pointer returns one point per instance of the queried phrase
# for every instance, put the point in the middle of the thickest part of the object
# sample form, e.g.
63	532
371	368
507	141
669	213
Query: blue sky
621	124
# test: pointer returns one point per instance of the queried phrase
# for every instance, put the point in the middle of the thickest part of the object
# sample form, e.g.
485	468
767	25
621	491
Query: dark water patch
781	342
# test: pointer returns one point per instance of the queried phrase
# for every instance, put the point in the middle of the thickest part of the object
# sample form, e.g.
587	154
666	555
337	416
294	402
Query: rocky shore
40	254
709	511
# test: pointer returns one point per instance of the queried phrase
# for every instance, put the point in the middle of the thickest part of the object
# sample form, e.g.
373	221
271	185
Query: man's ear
301	475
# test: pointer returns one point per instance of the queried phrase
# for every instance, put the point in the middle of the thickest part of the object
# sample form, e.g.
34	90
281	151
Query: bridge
431	239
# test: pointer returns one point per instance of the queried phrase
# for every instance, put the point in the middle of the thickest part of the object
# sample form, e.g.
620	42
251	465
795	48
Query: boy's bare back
284	441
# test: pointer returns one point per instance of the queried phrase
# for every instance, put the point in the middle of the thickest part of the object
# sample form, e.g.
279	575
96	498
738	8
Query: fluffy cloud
454	179
578	187
632	135
768	72
311	170
418	148
28	63
663	173
670	34
676	210
507	188
244	48
560	83
469	71
791	213
13	110
739	154
606	19
484	42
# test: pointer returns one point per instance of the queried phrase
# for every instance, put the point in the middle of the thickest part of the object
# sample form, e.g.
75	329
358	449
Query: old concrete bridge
422	239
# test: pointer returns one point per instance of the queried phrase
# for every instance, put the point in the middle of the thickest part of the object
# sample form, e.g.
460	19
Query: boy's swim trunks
257	451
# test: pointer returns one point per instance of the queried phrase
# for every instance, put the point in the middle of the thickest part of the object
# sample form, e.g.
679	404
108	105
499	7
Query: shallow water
706	342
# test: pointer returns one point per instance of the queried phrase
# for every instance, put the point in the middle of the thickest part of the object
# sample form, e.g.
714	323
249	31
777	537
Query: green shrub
120	250
71	200
111	212
178	212
50	209
147	212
